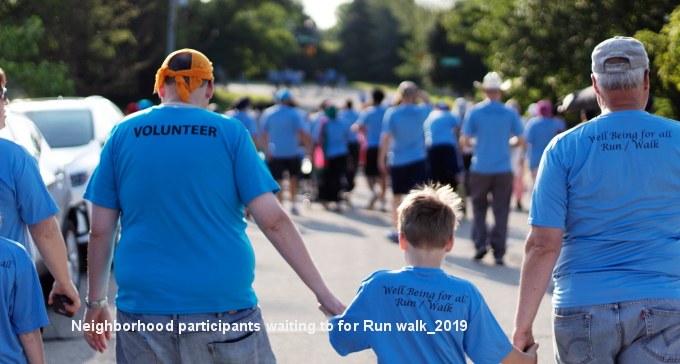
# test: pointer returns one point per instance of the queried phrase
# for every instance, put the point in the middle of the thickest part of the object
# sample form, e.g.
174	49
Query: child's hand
532	351
326	312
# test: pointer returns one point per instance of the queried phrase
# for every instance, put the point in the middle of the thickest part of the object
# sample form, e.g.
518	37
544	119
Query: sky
323	11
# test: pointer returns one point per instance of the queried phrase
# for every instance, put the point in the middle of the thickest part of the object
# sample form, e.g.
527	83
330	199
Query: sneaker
392	235
499	261
294	211
371	203
480	254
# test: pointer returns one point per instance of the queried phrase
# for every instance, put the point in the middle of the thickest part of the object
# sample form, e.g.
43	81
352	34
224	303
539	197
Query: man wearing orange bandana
178	177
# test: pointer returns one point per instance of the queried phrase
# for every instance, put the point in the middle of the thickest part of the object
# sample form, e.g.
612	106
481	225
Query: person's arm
33	346
541	250
50	243
99	257
518	357
424	97
464	141
306	141
385	139
281	232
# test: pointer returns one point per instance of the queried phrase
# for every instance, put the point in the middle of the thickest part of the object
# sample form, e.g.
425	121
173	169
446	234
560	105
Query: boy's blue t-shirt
180	177
613	184
335	136
538	132
246	120
439	128
281	123
405	122
24	199
492	124
431	301
372	119
22	309
350	117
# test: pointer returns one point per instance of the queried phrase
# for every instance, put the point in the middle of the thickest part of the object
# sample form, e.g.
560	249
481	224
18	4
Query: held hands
69	291
531	351
330	305
523	340
95	340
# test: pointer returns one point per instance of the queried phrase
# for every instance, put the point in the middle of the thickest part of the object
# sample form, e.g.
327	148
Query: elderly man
178	176
605	209
492	124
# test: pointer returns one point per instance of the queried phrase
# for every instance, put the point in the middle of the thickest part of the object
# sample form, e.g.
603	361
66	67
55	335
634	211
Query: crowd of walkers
604	221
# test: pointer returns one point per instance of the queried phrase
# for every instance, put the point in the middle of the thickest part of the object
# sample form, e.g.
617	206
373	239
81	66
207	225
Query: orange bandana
201	69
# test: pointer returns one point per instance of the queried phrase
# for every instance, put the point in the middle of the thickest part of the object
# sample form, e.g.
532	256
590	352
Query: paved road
347	247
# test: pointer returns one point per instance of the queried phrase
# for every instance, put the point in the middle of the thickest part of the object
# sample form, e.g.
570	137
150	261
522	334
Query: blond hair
429	215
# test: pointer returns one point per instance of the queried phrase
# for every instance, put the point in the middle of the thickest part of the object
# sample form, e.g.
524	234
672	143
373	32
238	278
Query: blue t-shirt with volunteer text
349	116
282	123
24	199
492	125
538	133
181	176
372	119
335	134
439	128
405	123
246	120
22	309
414	301
613	185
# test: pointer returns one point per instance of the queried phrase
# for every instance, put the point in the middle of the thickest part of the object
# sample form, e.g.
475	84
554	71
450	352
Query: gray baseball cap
625	47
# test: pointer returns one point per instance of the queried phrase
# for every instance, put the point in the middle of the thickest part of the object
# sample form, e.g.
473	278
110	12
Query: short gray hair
630	79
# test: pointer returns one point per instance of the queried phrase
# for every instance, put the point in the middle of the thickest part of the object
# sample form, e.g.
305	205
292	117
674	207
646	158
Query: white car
76	128
56	177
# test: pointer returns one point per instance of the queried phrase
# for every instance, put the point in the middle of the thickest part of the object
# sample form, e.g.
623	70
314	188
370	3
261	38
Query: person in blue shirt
283	131
446	164
420	314
26	207
178	177
492	125
403	136
538	133
22	309
350	116
332	135
605	225
370	123
239	112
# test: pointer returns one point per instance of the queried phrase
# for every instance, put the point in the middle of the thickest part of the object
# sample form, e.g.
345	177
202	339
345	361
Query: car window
64	128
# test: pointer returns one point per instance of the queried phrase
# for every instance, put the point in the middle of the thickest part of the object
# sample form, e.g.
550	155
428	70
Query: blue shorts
407	177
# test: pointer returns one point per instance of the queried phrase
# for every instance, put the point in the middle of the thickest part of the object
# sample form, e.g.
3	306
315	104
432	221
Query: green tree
664	54
25	69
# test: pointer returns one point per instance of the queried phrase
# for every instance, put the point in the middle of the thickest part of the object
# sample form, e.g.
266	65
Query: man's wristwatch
97	304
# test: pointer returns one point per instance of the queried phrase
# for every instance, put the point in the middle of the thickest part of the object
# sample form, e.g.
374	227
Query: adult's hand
68	290
329	304
97	341
523	340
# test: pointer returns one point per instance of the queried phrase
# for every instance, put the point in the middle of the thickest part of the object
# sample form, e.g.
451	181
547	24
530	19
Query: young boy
22	309
420	314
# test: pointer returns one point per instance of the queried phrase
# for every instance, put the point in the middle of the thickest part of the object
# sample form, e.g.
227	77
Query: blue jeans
181	341
631	332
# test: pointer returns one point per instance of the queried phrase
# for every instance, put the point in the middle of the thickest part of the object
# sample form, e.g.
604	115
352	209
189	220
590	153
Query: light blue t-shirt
336	132
350	117
538	132
439	128
180	177
246	120
22	309
405	122
492	124
372	119
281	123
431	301
613	185
24	199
